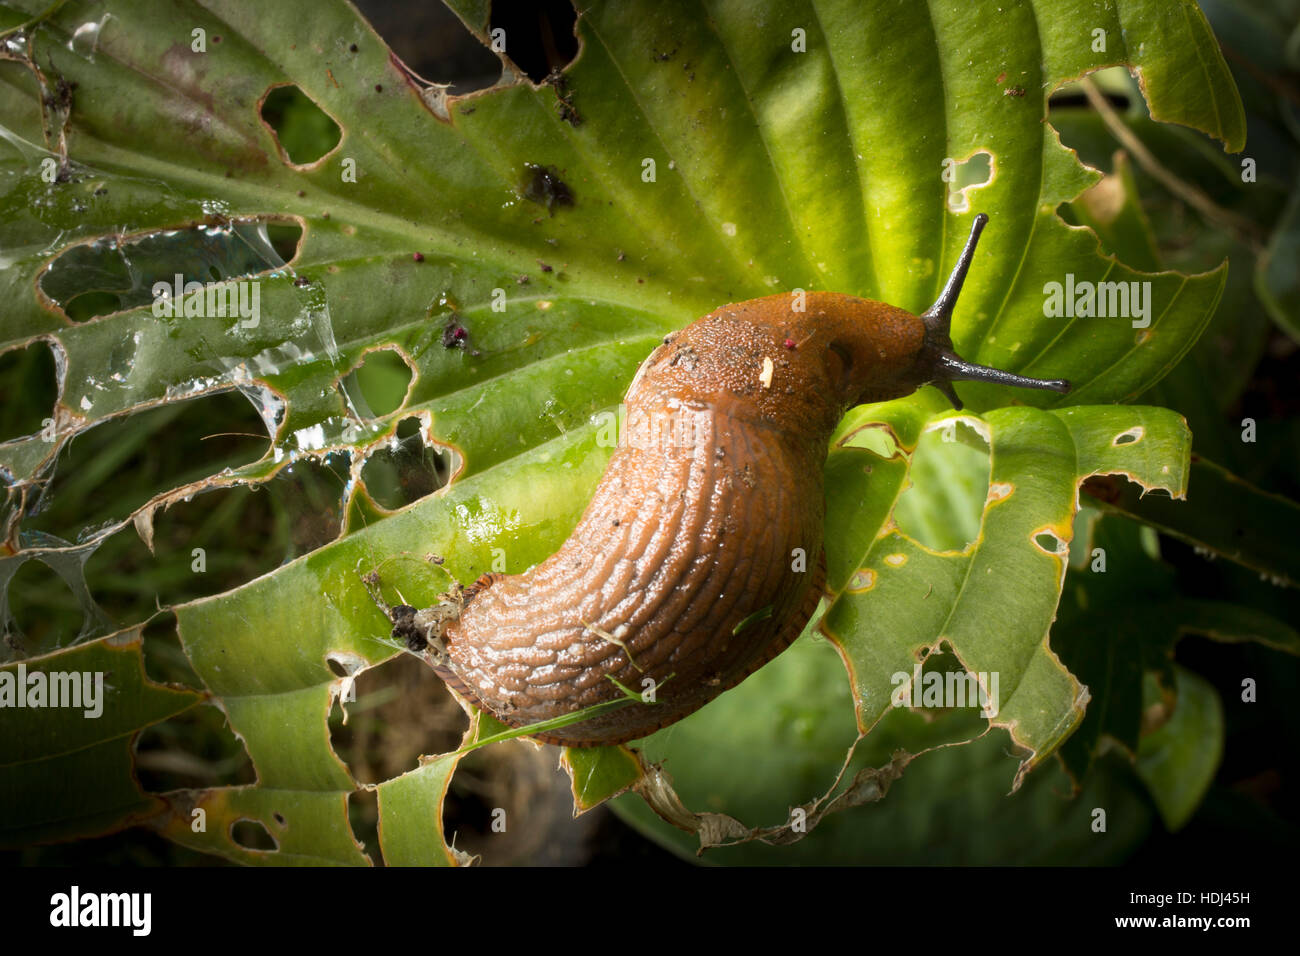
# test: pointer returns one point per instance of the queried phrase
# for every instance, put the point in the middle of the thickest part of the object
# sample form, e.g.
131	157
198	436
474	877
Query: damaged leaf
81	710
769	175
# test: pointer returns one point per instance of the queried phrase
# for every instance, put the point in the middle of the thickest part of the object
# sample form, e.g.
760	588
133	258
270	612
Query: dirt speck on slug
685	357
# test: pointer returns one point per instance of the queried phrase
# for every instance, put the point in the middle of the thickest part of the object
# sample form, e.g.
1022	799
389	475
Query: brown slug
685	568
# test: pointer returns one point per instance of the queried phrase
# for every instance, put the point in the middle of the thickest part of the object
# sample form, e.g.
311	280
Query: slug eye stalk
939	358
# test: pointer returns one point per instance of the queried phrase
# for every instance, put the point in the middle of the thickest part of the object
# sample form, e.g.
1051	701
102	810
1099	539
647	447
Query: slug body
699	558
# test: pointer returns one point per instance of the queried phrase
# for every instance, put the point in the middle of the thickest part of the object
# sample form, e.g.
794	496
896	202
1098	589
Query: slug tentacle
943	364
699	557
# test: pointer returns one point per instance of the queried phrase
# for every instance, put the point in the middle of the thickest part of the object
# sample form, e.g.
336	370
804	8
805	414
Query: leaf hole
401	710
966	176
544	186
303	131
219	540
285	238
195	750
88	305
1071	95
539	34
253	835
106	472
876	438
942	507
345	663
1134	434
536	797
379	385
1050	543
40	613
431	41
115	273
407	468
945	685
165	660
363	819
863	579
29	380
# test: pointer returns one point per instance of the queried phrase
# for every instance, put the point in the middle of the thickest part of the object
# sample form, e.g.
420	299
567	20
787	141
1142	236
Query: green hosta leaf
993	602
1275	282
774	169
1113	210
1121	617
1232	518
1233	624
1112	626
600	773
11	19
66	771
306	827
1178	760
780	737
278	693
739	212
410	806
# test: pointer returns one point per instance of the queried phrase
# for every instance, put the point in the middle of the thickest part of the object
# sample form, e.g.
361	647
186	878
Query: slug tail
787	634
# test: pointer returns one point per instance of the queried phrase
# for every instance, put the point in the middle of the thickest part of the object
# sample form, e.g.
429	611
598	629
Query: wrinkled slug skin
694	526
